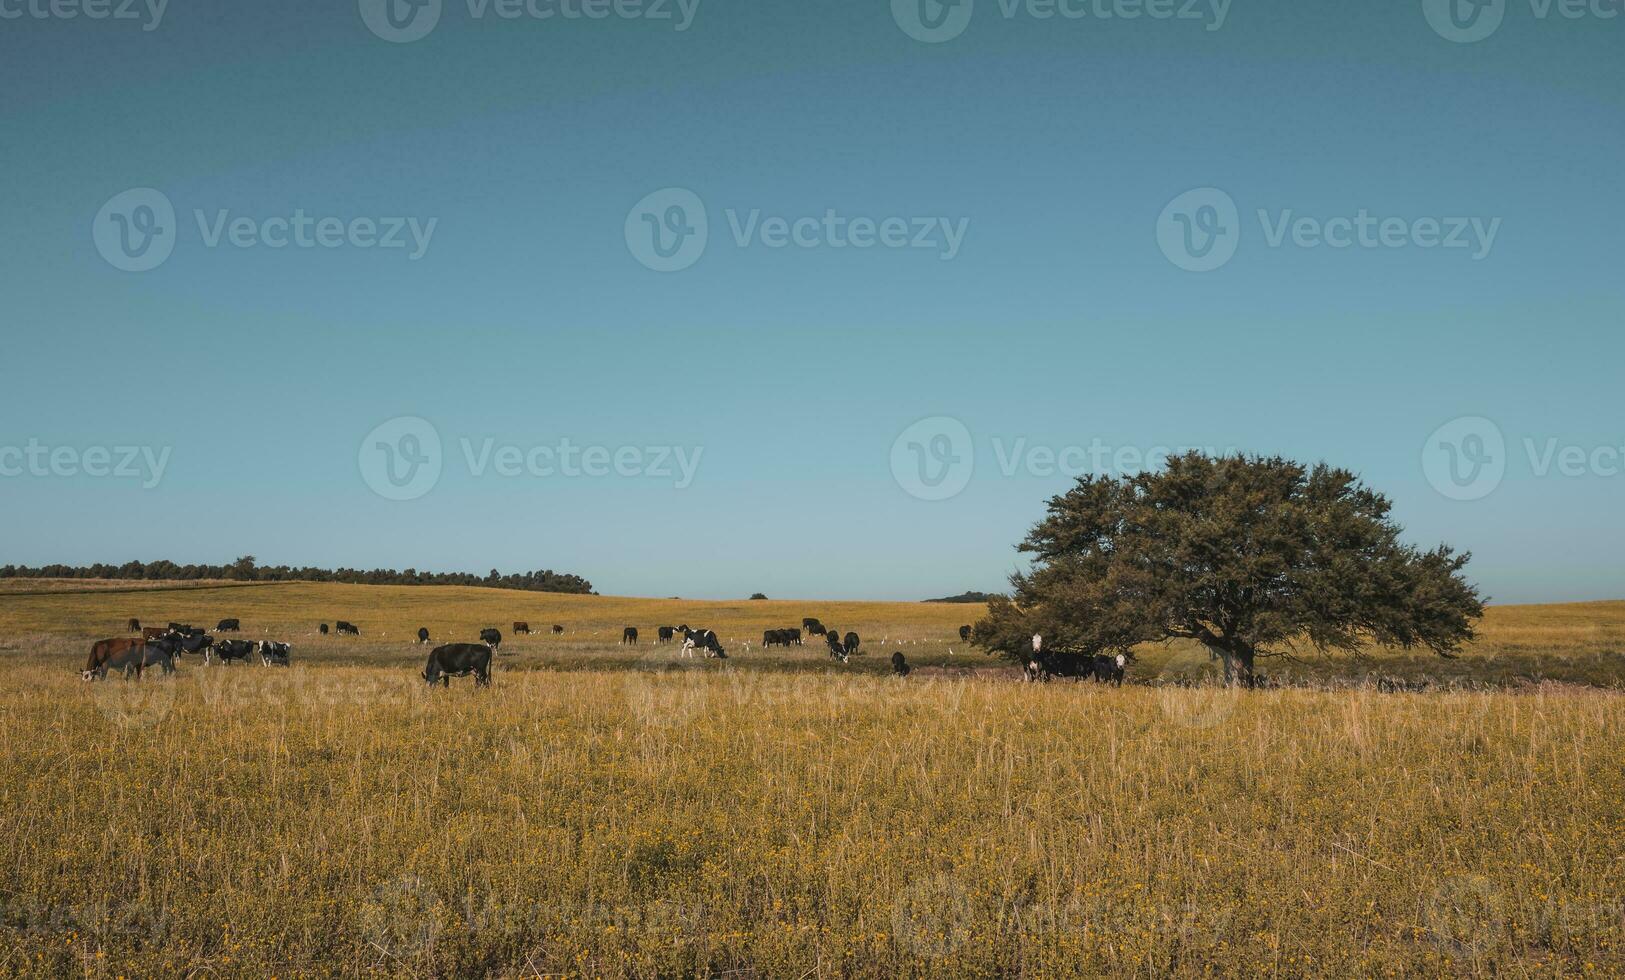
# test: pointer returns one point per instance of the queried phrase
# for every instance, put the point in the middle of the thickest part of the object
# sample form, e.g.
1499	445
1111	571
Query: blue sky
1053	145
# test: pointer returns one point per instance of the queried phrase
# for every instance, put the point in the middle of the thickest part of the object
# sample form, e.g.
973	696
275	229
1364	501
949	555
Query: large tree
1249	556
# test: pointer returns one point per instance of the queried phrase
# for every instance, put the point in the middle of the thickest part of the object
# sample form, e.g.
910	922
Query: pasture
614	811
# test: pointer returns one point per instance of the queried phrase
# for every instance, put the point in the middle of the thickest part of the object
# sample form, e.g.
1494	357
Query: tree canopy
1250	556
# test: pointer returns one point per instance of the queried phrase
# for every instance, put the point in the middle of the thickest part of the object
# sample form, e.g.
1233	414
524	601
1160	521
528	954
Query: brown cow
519	627
104	650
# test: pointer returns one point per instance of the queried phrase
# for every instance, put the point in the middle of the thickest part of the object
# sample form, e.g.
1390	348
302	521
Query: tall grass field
605	810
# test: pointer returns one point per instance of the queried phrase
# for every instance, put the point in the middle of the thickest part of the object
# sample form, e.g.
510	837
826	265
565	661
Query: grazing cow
323	629
772	638
557	629
851	644
836	651
135	626
629	635
702	640
459	660
229	626
812	626
349	628
521	629
1044	666
275	654
423	634
159	653
1109	669
899	664
229	650
964	634
664	634
103	651
491	637
153	632
193	643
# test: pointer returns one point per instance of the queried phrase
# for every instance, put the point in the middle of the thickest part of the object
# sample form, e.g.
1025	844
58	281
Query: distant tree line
246	569
968	597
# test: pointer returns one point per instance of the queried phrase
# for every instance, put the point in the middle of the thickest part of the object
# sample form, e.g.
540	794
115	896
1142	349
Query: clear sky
1040	164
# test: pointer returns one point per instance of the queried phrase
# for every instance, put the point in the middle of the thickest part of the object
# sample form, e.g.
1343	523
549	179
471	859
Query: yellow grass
778	816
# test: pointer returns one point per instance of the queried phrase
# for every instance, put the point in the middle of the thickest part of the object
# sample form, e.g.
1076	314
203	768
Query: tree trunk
1238	664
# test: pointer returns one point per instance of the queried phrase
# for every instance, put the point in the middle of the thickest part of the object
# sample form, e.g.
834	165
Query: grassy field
603	811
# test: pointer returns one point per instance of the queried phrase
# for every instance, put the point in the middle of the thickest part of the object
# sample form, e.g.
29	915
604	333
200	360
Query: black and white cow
702	640
491	637
229	650
458	660
275	654
195	642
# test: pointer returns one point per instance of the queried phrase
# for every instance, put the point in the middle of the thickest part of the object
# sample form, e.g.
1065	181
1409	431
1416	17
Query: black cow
323	629
491	637
349	628
557	629
229	626
664	634
135	626
964	633
836	651
629	635
812	626
1047	664
1109	669
899	664
521	629
773	638
459	660
275	654
229	650
179	628
423	634
851	644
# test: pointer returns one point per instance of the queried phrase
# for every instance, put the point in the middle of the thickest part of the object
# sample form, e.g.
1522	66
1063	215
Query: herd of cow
161	646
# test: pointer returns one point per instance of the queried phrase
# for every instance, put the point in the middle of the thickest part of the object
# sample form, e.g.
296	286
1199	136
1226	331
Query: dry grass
778	816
